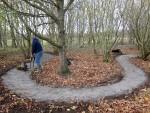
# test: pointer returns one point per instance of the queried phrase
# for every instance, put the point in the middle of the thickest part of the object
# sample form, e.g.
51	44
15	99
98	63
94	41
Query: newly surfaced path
20	83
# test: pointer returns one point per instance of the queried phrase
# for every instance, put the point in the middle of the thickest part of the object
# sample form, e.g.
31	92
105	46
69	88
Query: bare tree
138	17
58	16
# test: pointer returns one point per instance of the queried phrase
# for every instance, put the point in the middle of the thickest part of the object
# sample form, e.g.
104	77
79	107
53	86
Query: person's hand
32	56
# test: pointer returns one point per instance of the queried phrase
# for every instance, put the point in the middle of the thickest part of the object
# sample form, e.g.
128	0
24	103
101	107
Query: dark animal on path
68	61
117	52
23	67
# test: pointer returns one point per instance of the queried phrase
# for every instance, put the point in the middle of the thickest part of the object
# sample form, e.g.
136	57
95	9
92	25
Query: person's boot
35	69
40	67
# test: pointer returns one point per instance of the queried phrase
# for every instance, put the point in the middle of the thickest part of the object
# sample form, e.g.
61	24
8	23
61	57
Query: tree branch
52	2
49	13
68	5
45	23
39	35
22	13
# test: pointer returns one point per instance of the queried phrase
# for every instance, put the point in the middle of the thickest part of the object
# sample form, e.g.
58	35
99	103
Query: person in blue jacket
37	52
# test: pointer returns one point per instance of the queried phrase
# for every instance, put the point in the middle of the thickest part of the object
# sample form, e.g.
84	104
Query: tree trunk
62	51
144	52
14	45
5	35
29	48
62	54
64	70
1	43
106	56
106	50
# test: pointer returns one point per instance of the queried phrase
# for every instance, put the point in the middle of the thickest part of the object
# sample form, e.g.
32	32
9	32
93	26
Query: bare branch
46	23
22	13
49	13
68	5
39	35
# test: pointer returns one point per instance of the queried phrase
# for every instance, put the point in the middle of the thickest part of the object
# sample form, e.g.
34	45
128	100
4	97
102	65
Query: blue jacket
36	46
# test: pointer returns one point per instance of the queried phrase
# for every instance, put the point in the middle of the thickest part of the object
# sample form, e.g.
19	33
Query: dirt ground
138	102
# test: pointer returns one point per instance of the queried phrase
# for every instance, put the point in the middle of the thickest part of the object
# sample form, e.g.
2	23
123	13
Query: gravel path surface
21	83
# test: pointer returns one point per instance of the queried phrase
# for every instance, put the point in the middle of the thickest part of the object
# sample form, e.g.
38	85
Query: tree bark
1	43
62	51
5	35
14	45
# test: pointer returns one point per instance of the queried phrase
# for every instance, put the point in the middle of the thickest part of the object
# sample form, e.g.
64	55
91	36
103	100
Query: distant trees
107	23
3	41
97	24
110	23
138	18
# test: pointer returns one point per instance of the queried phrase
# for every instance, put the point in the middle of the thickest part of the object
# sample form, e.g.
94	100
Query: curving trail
20	83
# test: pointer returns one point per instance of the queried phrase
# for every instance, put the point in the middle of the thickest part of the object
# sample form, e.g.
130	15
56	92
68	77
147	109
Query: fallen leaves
1	98
86	71
9	62
145	65
12	103
90	108
74	107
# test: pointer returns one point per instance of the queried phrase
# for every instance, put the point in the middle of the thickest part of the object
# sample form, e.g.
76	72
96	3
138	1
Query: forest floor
138	102
9	61
87	70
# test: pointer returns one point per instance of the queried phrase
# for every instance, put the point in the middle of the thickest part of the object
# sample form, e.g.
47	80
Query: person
37	53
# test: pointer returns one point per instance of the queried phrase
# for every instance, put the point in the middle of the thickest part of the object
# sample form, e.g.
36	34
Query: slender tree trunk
28	48
123	32
14	45
144	52
1	43
94	46
106	52
29	42
4	35
106	56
